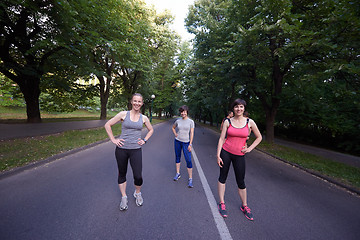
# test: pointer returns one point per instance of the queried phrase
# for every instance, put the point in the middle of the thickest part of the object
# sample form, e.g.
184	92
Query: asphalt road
13	131
77	197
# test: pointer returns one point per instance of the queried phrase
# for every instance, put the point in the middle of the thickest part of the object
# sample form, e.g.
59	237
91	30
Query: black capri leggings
239	168
135	156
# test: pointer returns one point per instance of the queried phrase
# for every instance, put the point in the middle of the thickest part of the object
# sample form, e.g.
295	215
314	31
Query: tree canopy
291	60
47	46
295	62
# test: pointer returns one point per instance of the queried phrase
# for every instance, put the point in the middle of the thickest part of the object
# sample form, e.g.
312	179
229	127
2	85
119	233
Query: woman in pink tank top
233	150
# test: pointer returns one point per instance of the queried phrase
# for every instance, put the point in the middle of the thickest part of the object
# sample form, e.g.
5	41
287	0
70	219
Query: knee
241	185
138	181
222	180
121	179
189	164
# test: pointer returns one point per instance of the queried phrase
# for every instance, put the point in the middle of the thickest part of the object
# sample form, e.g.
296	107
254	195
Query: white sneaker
123	203
139	200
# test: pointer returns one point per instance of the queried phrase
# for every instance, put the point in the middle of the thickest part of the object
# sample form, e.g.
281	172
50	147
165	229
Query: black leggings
239	168
135	156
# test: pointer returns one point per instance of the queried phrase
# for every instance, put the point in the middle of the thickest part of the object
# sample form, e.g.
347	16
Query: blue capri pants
184	146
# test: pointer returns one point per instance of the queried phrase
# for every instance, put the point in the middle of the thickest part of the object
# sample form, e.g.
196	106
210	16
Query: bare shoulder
121	115
252	123
226	123
145	119
118	117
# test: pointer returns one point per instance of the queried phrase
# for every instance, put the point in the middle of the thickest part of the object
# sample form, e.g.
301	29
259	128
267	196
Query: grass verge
18	115
341	172
20	152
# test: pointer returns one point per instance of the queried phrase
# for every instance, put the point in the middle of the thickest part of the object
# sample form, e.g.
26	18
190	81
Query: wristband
144	140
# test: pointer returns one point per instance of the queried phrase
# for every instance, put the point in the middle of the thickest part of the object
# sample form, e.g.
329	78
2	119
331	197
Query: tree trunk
270	120
104	95
277	79
30	87
232	97
103	112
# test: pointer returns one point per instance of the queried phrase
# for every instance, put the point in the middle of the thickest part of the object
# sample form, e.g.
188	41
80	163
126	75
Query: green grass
344	173
18	115
19	152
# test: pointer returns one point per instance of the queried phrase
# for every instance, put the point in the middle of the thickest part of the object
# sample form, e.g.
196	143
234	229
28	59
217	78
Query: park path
77	197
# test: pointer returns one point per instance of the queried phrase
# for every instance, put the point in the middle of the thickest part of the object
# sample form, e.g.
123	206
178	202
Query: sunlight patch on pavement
219	220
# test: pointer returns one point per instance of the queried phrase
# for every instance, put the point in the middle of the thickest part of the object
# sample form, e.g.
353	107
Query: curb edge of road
323	177
55	157
29	166
348	188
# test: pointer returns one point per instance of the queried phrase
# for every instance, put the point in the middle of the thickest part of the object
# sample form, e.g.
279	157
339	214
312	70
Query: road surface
77	197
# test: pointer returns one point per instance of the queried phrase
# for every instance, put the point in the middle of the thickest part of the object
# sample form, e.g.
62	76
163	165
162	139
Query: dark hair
238	102
184	108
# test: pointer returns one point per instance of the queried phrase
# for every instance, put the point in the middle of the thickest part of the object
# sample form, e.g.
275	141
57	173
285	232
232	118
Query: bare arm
149	128
221	142
191	138
173	129
118	117
257	134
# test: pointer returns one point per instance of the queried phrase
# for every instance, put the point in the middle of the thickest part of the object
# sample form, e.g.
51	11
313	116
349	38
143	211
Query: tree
161	76
31	32
43	42
212	82
120	56
265	42
10	94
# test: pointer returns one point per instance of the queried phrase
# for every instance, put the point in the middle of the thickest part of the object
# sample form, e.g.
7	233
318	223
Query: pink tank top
236	139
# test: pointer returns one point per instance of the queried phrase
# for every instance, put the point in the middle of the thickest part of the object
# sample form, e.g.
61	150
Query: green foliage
325	89
57	43
208	92
162	77
295	62
15	153
10	94
346	174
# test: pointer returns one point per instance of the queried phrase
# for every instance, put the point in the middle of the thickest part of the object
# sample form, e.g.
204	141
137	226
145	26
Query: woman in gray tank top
128	147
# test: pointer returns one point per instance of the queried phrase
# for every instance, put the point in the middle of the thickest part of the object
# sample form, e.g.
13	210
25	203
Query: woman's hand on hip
245	149
118	142
141	141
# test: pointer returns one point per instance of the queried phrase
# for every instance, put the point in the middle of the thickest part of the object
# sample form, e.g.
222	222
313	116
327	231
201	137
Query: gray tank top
131	132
